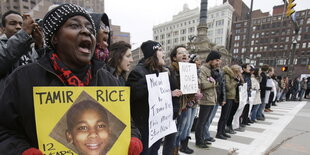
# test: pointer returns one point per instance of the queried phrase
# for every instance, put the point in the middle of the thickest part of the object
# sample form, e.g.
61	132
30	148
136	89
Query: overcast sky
139	16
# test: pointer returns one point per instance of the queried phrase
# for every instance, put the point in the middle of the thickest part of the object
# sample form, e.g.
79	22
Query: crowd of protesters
71	47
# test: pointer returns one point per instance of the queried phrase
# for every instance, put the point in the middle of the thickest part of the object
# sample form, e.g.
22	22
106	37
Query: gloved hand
135	147
32	151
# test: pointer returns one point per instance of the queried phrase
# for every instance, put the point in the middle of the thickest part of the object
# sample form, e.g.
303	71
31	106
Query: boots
184	146
230	130
175	151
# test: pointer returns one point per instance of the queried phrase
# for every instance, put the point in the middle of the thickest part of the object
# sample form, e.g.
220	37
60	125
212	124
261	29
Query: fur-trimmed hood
227	70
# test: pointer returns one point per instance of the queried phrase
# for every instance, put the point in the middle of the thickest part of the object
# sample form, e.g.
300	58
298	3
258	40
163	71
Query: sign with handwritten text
82	120
188	78
160	107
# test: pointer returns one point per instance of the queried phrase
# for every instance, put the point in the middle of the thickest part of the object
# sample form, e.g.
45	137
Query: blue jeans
184	123
261	109
189	124
181	124
254	111
207	133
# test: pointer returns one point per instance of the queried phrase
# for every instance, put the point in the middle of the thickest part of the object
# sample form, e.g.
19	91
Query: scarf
101	52
66	74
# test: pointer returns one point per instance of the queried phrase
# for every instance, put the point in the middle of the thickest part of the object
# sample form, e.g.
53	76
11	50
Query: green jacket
231	83
208	89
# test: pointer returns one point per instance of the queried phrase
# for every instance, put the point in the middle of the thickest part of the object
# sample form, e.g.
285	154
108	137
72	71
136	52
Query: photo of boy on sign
88	128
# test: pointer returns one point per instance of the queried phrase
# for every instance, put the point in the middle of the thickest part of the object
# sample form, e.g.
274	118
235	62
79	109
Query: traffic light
284	69
289	9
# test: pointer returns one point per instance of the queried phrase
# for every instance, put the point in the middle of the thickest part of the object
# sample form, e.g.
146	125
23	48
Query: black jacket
247	79
263	85
122	81
221	85
16	51
17	121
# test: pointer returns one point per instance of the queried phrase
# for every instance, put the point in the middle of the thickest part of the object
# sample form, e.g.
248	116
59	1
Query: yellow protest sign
82	120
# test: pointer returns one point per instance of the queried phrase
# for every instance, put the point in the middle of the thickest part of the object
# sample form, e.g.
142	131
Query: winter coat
296	85
122	82
247	79
303	85
256	89
16	51
231	83
263	85
221	85
17	120
207	87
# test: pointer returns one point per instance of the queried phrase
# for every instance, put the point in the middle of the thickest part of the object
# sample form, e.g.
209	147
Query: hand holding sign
176	93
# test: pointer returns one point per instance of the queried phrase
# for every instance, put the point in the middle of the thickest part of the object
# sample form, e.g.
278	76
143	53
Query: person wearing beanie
103	36
70	40
208	86
153	62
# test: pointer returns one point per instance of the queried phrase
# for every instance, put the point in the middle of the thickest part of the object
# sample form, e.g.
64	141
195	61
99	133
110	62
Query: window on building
162	36
168	42
183	31
219	22
244	49
308	21
236	44
156	37
183	38
238	25
175	33
176	40
237	31
236	51
210	33
218	40
237	37
168	35
191	29
25	7
219	31
304	45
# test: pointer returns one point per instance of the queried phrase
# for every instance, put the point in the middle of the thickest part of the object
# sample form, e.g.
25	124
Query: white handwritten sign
160	103
188	78
243	95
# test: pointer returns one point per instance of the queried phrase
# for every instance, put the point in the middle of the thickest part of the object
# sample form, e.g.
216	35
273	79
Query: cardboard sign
82	120
160	107
188	78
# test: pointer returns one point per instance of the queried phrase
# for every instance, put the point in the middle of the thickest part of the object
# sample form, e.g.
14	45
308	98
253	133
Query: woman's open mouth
85	46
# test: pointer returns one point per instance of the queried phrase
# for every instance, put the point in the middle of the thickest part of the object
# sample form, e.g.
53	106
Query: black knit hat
149	48
55	18
193	58
213	55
